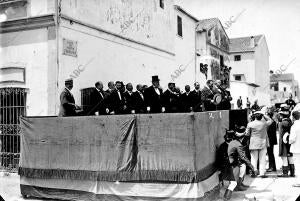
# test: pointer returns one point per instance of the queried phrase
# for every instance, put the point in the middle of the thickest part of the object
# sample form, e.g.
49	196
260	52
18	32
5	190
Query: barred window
12	106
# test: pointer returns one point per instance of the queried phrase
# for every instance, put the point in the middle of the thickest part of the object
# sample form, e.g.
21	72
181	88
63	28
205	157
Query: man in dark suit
116	100
239	103
196	94
67	101
207	96
111	87
129	98
271	131
187	99
226	96
98	100
139	100
171	99
153	96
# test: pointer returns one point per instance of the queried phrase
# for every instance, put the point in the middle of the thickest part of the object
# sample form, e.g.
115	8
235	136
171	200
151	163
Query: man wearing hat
67	101
153	97
170	98
284	127
257	130
230	157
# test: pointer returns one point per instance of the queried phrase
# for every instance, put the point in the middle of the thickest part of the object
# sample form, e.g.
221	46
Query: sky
278	20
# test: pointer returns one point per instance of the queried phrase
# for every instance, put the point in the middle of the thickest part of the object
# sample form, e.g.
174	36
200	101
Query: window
237	57
162	4
295	93
86	102
284	89
179	26
12	106
221	60
238	77
12	9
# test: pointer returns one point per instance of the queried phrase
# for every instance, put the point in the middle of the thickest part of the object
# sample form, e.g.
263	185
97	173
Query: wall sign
69	47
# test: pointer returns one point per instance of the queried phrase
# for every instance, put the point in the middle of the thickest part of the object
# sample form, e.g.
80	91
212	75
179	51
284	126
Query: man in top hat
170	99
153	96
67	101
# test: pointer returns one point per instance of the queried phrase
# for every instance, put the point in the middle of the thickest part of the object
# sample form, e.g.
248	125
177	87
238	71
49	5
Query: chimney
252	43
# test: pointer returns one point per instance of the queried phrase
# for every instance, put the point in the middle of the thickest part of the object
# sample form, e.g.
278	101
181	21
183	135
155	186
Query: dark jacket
197	101
171	101
239	103
115	103
187	102
237	155
67	104
153	100
139	102
226	98
285	125
98	102
207	95
129	99
272	133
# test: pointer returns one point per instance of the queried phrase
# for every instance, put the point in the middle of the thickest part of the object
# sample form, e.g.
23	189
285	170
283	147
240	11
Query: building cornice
249	51
30	23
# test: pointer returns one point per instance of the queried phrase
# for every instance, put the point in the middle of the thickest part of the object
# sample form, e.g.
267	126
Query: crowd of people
121	99
248	145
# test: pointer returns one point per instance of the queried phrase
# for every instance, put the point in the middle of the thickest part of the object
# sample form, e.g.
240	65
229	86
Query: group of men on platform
120	99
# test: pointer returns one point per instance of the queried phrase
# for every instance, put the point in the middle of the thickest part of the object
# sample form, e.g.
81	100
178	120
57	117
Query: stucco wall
238	89
184	52
262	74
140	20
245	66
104	57
32	50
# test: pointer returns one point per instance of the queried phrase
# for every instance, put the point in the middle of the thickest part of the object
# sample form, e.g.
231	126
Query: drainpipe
57	20
195	53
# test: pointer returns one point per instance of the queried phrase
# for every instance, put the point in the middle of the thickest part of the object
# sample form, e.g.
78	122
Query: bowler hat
155	78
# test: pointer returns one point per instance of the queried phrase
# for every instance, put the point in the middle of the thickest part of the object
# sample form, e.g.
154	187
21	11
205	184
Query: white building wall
262	74
105	57
141	20
184	52
245	66
242	89
34	51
